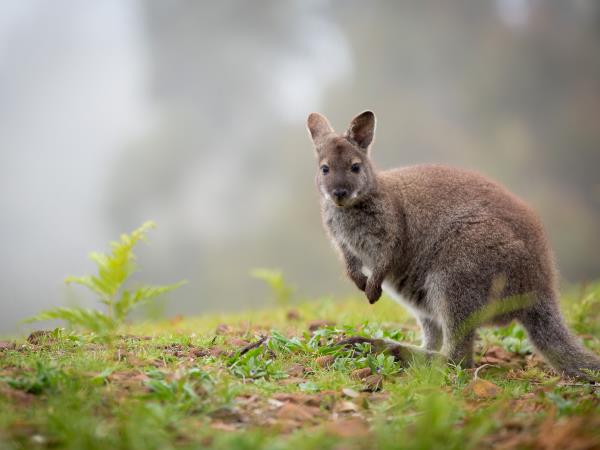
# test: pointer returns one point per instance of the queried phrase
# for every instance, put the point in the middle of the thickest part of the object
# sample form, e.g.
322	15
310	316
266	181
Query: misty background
193	113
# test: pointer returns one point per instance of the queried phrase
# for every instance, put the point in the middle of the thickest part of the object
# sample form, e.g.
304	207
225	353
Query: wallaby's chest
359	230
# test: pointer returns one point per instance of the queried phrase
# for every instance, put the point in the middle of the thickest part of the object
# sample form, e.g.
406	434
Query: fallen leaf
223	328
325	361
373	383
296	370
495	355
316	324
348	428
361	374
222	426
299	413
127	378
293	314
216	351
275	403
569	433
484	388
227	415
305	399
346	406
237	342
198	352
348	392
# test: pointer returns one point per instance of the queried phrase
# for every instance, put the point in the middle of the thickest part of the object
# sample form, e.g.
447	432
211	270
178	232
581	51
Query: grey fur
457	248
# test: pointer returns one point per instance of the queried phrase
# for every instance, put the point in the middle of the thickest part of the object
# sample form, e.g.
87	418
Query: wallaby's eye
325	169
355	168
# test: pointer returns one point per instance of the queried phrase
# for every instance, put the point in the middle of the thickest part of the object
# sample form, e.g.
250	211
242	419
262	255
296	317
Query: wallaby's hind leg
403	353
455	305
549	334
432	334
458	346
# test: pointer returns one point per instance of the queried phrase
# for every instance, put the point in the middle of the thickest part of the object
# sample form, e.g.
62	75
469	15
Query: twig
253	345
476	375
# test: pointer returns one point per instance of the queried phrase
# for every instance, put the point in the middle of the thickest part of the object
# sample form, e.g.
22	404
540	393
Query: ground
275	379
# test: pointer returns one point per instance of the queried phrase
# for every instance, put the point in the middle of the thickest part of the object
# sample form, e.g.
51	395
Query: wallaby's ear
318	126
362	129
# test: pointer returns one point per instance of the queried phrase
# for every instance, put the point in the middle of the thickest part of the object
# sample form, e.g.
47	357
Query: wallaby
454	247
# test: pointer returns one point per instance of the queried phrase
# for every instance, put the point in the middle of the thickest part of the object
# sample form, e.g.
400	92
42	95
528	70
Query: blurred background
193	114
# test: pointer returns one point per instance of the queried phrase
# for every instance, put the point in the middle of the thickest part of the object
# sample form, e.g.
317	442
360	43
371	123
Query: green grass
190	383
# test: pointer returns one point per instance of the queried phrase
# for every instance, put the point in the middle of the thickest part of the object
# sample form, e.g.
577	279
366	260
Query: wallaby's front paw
359	280
373	291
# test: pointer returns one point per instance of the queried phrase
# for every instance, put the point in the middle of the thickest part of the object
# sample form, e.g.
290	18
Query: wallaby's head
345	173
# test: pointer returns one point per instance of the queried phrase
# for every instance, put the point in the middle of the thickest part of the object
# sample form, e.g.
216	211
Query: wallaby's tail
550	335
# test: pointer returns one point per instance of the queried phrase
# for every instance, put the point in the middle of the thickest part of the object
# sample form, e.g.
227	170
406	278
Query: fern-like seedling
282	292
114	269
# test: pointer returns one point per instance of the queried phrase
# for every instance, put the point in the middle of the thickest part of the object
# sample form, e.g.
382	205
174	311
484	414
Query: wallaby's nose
340	194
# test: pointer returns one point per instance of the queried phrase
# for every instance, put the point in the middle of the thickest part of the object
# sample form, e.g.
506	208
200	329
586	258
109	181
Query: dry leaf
373	383
316	324
484	388
361	374
237	342
325	361
346	406
348	392
306	399
296	370
223	328
293	314
222	426
275	403
495	355
299	413
347	428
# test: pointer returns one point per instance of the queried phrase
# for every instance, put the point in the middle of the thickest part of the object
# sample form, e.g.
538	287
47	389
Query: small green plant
114	270
282	291
512	338
186	387
585	313
255	364
43	377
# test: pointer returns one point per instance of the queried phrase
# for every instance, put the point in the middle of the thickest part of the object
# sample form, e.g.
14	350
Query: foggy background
192	114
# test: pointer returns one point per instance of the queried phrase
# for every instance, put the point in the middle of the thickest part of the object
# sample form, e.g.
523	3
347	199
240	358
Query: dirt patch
16	396
7	345
353	427
567	433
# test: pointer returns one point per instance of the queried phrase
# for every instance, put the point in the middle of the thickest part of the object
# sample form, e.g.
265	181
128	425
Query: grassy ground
200	383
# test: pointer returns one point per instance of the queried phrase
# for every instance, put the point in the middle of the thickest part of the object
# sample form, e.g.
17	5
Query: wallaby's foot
373	291
402	353
459	350
360	280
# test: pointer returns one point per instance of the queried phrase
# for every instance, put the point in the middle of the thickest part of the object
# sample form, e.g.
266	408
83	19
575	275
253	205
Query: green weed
114	270
280	289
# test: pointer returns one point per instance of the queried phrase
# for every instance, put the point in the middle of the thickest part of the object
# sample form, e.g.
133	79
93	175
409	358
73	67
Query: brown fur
456	247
